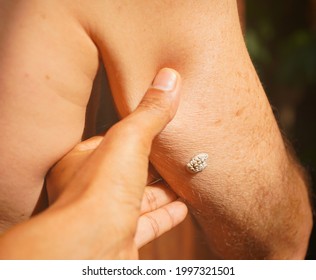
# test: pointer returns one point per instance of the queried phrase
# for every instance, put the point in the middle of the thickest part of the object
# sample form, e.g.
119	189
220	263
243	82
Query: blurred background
281	38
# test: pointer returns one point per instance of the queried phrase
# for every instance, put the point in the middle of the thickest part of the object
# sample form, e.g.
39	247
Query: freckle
26	75
218	122
239	112
202	106
47	77
43	16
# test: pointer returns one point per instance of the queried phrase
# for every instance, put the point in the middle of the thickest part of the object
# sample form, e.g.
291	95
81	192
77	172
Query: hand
160	211
109	174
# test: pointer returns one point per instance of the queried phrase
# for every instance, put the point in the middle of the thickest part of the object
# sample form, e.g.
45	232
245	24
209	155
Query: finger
155	197
152	225
62	172
88	145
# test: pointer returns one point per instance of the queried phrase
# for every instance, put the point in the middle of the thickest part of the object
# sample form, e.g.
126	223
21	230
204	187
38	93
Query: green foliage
281	43
297	55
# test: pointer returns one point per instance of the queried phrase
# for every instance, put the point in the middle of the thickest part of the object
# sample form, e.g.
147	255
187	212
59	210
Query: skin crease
251	201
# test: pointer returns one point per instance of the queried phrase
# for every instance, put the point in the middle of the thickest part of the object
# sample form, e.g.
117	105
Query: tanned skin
252	200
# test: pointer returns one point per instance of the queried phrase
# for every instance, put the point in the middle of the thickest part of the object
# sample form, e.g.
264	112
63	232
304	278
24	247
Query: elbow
302	239
295	243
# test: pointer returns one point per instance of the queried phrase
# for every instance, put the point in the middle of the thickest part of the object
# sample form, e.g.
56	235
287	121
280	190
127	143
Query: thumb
123	153
135	133
159	104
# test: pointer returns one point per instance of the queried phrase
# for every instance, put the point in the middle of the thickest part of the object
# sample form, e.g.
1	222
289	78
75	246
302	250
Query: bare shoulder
46	26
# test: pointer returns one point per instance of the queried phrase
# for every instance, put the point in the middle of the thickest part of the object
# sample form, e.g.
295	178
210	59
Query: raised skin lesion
197	163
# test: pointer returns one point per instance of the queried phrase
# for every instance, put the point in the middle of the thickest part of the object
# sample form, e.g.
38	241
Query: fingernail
165	80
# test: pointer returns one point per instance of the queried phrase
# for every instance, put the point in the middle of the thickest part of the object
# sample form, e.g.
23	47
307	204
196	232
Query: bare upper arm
223	112
47	66
221	92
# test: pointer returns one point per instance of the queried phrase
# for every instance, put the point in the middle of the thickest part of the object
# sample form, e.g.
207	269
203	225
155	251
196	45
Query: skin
251	202
93	181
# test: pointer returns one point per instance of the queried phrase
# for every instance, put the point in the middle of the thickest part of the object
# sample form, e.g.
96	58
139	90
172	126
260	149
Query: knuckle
154	226
169	217
158	105
125	130
132	133
89	144
151	200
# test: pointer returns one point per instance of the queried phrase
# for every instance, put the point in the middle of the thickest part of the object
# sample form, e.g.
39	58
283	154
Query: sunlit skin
99	205
251	201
